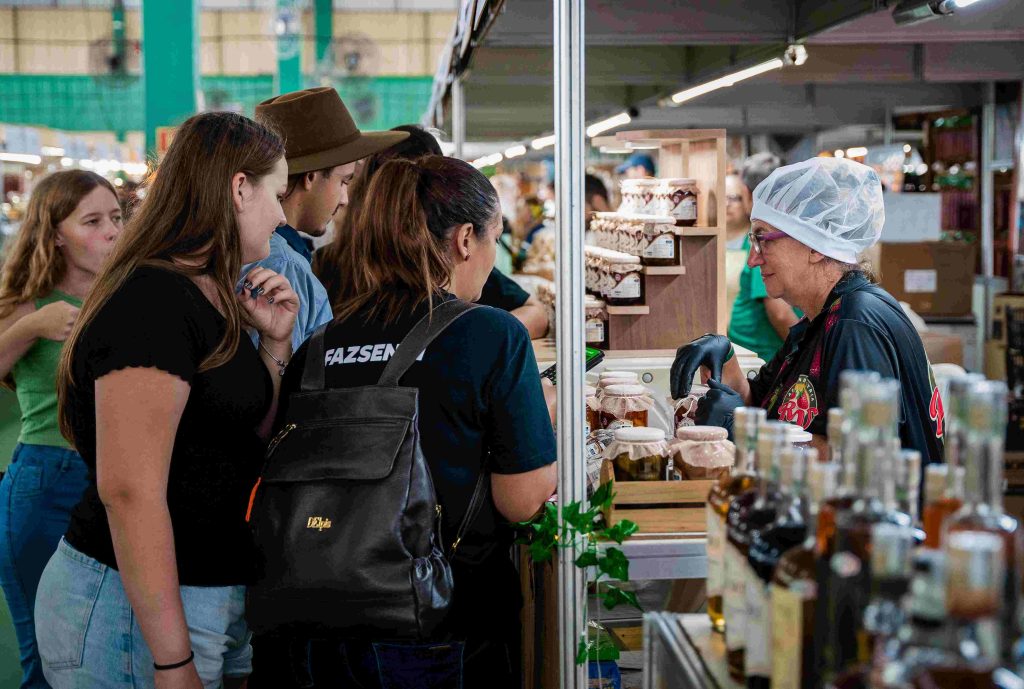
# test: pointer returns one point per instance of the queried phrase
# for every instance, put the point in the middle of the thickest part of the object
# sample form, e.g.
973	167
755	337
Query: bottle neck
994	458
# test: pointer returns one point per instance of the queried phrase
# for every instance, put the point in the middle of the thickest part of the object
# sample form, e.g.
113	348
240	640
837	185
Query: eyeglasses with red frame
758	238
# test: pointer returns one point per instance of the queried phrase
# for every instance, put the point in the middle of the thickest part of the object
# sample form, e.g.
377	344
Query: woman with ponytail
429	236
69	230
169	404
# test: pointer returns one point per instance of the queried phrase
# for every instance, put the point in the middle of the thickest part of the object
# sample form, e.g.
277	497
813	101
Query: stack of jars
614	277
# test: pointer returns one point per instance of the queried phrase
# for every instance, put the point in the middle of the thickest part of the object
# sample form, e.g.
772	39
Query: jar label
686	209
595	330
734	598
620	423
758	656
663	246
716	536
787	639
594	447
628	287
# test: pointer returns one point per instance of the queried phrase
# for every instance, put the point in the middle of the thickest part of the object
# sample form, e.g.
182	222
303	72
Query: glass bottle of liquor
944	492
750	511
745	423
984	439
925	639
794	592
849	573
788	530
975	580
908	484
891	572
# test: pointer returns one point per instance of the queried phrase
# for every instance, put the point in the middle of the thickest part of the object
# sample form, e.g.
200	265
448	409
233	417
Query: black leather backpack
345	515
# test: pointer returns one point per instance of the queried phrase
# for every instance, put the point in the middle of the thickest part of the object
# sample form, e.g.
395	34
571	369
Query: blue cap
637	160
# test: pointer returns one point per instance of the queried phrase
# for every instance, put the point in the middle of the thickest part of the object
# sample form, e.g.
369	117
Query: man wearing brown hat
322	146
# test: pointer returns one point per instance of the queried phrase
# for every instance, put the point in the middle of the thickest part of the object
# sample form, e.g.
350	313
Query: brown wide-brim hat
318	130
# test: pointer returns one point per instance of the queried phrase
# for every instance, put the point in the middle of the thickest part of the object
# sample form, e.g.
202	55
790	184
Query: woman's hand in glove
709	351
717	406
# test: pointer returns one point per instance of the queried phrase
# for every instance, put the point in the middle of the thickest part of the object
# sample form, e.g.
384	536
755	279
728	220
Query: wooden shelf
699	231
660	136
664	270
628	310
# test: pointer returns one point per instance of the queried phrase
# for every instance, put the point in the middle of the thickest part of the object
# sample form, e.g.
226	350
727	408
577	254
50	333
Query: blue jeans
89	637
37	494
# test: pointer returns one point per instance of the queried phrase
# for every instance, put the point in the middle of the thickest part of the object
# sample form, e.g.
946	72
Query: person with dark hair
499	291
322	146
170	408
428	237
595	195
72	221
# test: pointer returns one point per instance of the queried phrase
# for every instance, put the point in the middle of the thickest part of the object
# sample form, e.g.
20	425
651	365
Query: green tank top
35	380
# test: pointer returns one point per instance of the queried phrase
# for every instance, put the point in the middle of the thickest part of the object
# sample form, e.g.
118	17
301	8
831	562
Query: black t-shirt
480	405
161	319
860	328
502	292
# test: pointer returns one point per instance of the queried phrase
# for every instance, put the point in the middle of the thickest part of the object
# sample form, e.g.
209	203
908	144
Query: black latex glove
711	351
717	406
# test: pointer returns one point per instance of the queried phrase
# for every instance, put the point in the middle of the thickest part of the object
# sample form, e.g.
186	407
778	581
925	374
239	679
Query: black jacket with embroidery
861	328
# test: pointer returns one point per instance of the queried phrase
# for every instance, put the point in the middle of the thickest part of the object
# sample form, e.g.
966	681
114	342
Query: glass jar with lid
625	283
639	454
629	193
679	200
702	452
646	196
609	378
660	245
596	323
593	408
625	405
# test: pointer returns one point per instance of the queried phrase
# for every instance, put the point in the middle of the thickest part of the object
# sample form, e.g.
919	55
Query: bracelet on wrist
175	666
281	365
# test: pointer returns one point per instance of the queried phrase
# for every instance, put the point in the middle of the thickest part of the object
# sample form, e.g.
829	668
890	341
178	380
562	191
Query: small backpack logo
318	523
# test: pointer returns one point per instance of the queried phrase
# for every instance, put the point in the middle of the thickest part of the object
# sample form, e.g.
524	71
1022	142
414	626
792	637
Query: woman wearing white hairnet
809	224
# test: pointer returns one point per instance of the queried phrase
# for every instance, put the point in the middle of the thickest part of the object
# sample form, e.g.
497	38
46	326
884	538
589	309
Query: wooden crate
674	508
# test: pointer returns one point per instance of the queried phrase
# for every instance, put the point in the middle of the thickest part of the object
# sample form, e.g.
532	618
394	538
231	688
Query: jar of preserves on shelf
702	452
629	196
625	283
680	200
639	454
593	408
685	409
646	196
660	245
625	406
596	323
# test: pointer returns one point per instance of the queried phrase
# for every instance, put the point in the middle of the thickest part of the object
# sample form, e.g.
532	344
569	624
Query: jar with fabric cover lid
630	196
639	454
679	200
596	320
625	283
660	245
609	378
624	406
593	408
702	452
646	196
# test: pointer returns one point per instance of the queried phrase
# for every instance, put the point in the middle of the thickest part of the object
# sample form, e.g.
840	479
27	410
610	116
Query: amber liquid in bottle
721	496
935	515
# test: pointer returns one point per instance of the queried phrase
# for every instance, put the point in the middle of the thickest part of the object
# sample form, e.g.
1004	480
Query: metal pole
988	139
458	116
569	152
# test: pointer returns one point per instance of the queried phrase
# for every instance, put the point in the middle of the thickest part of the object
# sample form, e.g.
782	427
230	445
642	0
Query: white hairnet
832	205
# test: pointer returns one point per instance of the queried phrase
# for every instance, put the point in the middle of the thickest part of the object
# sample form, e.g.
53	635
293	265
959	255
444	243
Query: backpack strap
476	503
313	371
421	335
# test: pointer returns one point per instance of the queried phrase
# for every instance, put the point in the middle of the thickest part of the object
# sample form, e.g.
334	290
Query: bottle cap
822	481
935	478
836	416
880	404
987	409
745	424
771	439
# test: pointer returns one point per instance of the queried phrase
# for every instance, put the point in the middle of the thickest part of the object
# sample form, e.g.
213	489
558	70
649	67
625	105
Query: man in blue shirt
322	146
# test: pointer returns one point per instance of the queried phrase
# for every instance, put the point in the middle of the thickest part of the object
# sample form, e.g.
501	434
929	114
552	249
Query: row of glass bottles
819	573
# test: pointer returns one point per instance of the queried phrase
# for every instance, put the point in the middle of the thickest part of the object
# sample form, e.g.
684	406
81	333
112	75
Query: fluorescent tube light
542	142
515	151
727	80
487	161
52	151
610	123
856	152
20	158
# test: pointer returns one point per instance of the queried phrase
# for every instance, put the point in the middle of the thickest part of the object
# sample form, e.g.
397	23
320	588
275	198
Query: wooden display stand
681	304
659	507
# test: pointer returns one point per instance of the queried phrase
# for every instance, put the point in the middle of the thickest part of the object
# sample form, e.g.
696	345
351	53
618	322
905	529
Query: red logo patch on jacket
800	405
936	413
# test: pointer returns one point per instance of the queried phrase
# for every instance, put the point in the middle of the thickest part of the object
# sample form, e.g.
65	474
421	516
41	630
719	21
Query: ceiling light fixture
515	151
543	142
26	158
602	126
913	11
728	80
856	152
487	161
51	150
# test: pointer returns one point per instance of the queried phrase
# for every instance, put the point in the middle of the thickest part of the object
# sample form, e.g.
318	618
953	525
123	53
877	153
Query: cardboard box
943	349
935	278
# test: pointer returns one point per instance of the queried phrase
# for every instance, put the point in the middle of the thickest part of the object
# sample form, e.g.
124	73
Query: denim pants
89	637
37	494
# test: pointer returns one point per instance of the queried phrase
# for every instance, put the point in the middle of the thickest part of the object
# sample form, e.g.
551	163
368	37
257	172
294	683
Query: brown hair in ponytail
396	254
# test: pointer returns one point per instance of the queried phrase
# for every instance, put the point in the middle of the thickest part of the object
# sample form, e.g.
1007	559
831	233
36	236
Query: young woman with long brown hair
168	403
430	236
72	220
